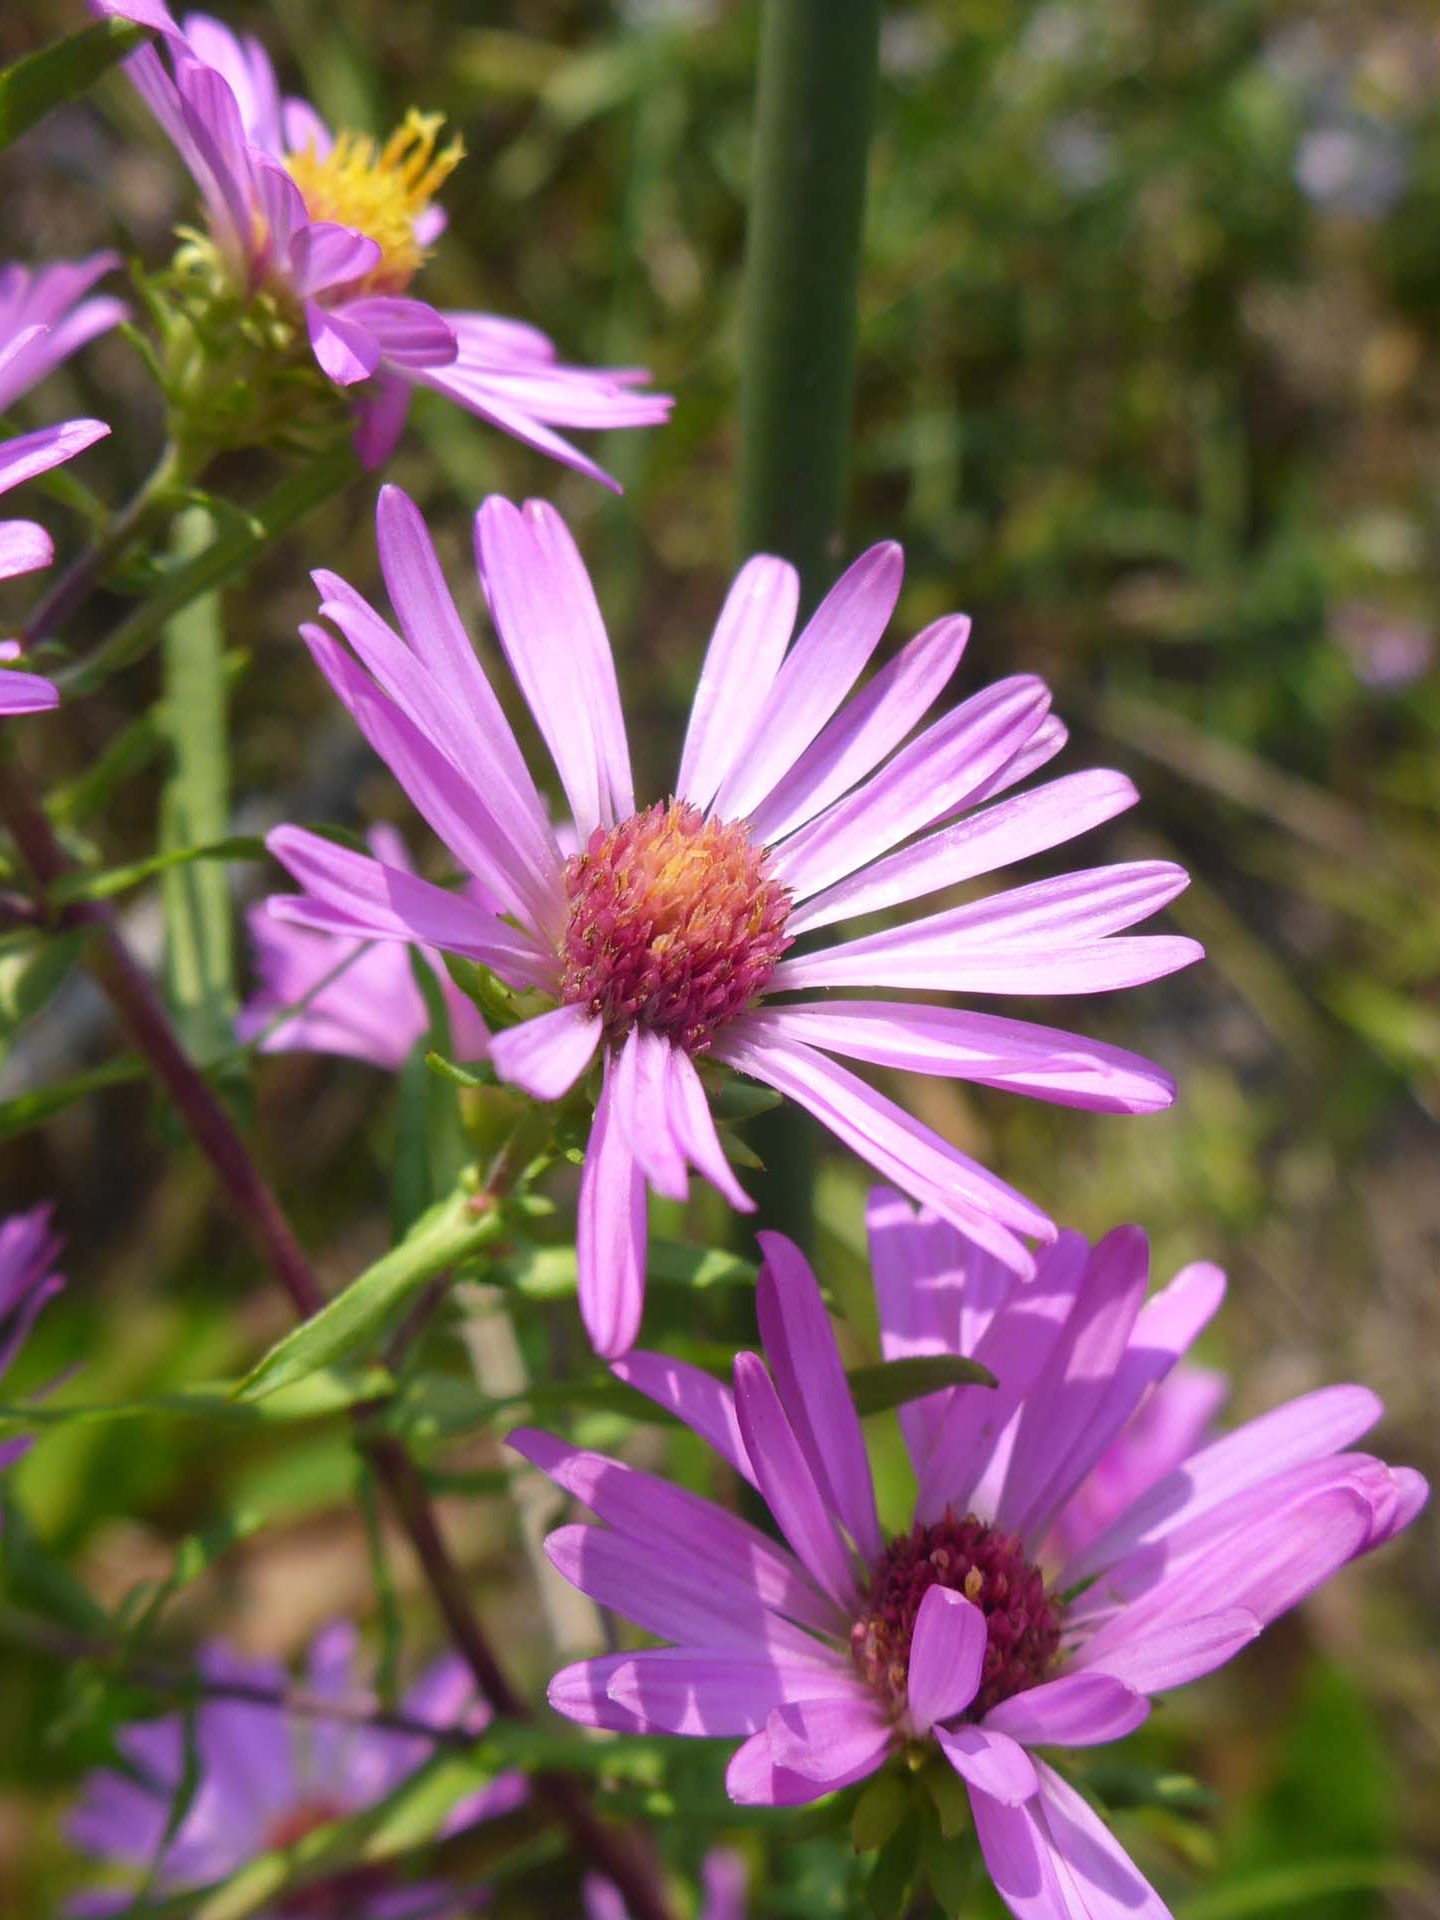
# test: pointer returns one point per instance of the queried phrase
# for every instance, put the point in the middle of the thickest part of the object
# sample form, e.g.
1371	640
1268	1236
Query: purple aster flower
44	318
958	1641
723	1880
794	809
267	1778
29	1248
359	997
340	224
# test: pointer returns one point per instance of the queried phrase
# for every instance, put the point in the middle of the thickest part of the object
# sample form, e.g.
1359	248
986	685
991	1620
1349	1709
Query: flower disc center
1022	1621
674	923
383	191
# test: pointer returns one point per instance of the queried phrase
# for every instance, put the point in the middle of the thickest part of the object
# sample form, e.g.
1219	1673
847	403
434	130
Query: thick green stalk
818	61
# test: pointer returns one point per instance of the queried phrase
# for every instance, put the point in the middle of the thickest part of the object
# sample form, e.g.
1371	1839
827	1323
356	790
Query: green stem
233	549
73	587
818	62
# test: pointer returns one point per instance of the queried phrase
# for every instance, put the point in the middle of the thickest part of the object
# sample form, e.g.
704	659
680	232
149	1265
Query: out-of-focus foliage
1149	385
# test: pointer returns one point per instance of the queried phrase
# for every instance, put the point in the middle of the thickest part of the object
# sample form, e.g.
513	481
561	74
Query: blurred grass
1148	384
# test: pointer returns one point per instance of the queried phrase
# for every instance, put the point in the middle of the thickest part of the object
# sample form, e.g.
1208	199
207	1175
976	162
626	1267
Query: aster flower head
664	937
29	1248
44	318
978	1634
354	997
267	1777
321	233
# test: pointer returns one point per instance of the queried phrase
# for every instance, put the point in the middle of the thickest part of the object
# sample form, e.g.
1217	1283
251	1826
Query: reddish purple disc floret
673	922
1022	1621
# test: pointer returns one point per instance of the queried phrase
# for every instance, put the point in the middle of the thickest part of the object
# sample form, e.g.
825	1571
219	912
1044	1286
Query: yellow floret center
382	191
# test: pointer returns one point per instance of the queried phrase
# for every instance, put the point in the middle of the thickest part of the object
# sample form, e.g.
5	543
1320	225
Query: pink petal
978	1427
475	823
1051	932
836	1740
1058	1421
554	640
670	1594
547	1055
705	1404
739	670
930	778
865	730
695	1132
409	333
24	548
816	675
1107	1881
992	1763
810	1380
1154	1659
349	892
1014	1055
1312	1427
30	454
752	1778
677	1691
947	1655
984	842
432	625
787	1483
1021	1861
903	1150
936	1293
638	1099
325	255
642	1505
24	692
346	353
612	1228
1077	1710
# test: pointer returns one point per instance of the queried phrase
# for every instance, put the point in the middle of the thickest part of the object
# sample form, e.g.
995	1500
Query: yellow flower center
382	191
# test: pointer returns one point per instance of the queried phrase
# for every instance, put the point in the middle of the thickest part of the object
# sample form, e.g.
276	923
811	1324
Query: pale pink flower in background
351	996
839	1651
44	318
723	1881
342	224
268	1776
29	1248
794	808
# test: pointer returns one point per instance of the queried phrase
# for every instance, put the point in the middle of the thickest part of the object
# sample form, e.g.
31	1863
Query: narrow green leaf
1279	1889
445	1236
62	71
29	1110
320	1395
30	973
85	884
430	1146
195	812
890	1383
228	555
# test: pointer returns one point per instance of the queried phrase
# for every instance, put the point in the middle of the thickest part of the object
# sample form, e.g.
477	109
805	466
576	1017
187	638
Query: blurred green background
1148	384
